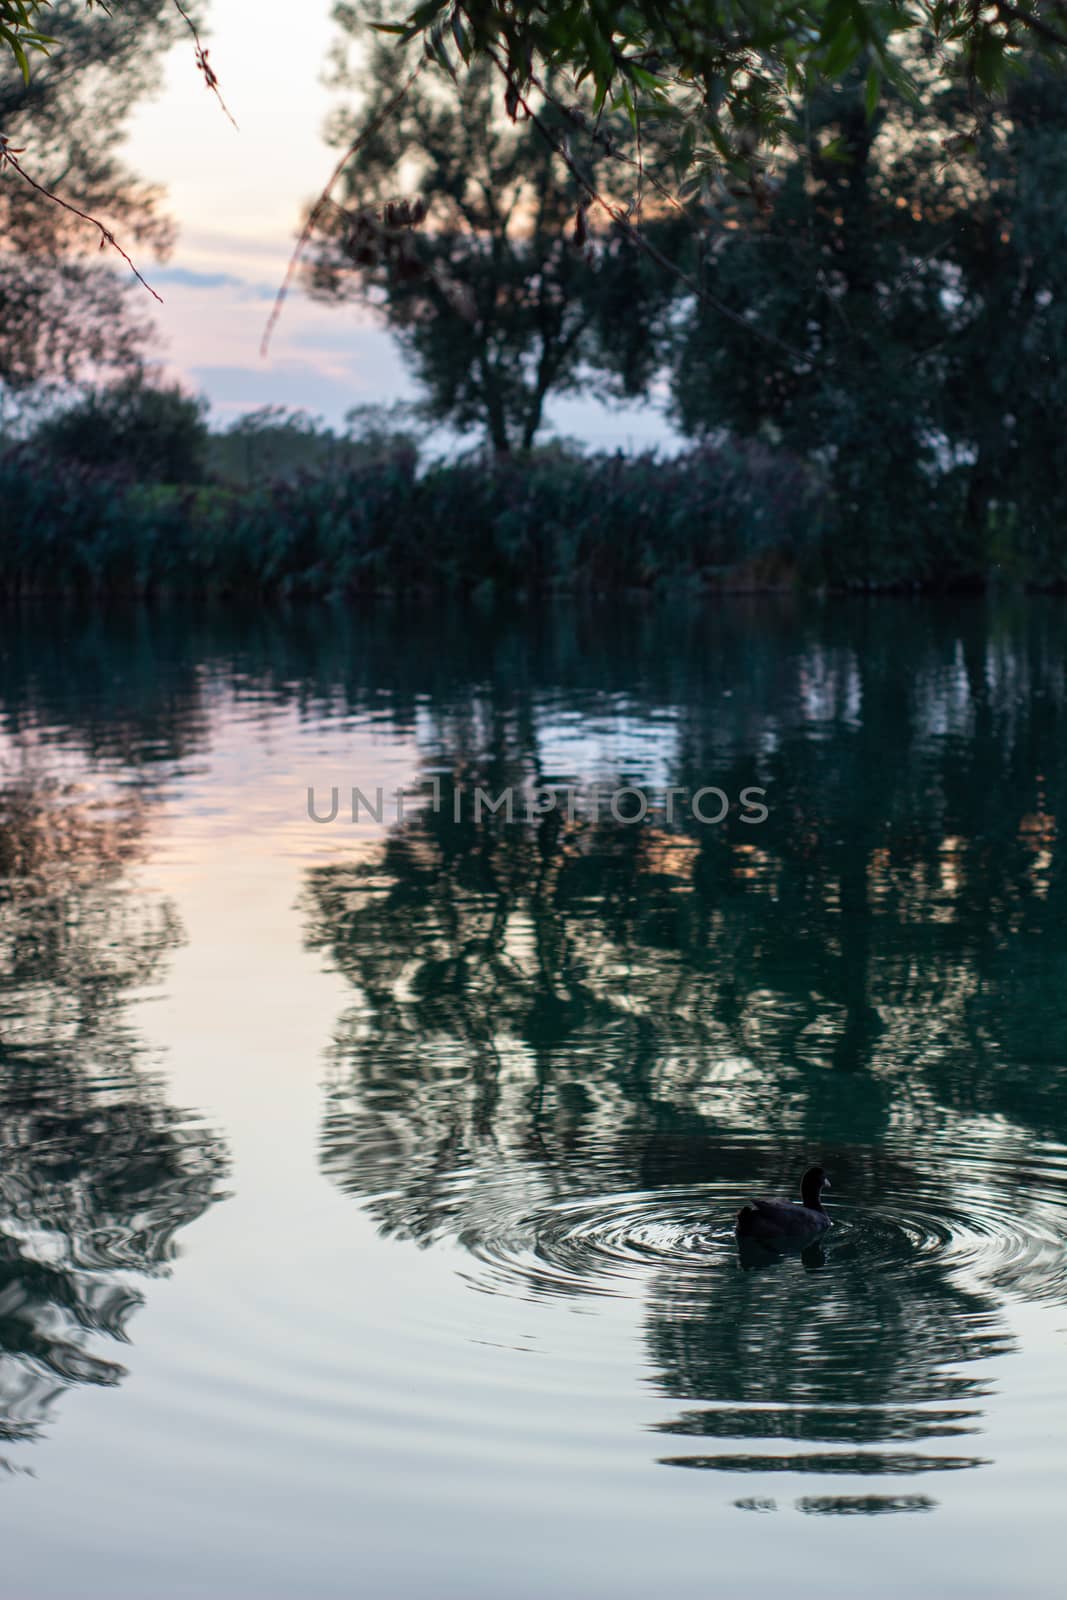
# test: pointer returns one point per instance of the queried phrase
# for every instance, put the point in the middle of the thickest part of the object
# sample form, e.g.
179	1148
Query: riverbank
735	519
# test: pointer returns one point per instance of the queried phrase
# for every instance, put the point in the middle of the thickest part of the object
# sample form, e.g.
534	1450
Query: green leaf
873	92
459	33
842	49
423	15
645	80
437	51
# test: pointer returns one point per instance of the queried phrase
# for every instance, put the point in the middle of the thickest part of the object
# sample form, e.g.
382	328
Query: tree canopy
891	315
926	296
733	79
21	30
62	310
500	301
728	77
25	27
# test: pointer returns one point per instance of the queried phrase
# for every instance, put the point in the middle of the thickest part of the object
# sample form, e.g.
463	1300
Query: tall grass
737	516
599	523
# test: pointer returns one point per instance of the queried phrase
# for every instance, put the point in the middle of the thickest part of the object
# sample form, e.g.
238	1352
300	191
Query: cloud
324	359
188	278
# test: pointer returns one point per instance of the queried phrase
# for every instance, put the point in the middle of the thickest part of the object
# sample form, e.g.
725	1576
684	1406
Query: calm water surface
366	1189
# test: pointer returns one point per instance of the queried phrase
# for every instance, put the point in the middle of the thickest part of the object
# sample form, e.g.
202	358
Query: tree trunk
495	419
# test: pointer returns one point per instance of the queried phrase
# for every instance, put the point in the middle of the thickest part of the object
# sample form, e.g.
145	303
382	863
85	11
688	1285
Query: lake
367	1186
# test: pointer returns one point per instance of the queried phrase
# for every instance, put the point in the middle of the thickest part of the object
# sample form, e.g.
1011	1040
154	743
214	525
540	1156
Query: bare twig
324	199
202	62
9	158
9	155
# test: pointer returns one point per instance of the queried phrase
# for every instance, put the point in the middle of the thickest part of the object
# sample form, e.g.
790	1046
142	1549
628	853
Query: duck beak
826	1183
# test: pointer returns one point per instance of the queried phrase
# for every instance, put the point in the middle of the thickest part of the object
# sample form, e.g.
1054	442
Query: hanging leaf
873	92
459	34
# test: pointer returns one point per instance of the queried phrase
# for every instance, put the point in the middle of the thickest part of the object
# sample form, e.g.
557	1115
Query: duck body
787	1224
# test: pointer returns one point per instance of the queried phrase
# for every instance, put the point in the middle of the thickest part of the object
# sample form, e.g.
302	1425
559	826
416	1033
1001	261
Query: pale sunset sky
238	198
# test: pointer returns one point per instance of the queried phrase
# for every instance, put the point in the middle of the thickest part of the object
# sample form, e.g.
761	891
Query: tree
505	298
1004	392
158	432
727	84
62	312
916	274
23	35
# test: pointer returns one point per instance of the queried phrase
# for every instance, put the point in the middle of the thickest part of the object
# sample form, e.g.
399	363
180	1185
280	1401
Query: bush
155	433
725	517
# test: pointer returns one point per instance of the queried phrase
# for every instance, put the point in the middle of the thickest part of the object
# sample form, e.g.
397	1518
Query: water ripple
1008	1234
597	1245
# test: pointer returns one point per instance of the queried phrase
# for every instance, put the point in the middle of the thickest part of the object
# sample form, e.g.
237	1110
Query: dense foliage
724	76
917	295
156	432
744	516
276	444
890	311
495	303
26	28
732	80
63	311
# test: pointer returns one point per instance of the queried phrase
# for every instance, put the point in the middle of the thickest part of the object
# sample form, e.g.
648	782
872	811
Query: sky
238	197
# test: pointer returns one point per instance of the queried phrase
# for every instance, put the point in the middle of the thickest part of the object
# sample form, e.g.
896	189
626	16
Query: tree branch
9	158
324	198
203	65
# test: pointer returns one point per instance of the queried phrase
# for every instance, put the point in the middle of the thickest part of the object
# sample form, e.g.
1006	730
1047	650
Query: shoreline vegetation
731	518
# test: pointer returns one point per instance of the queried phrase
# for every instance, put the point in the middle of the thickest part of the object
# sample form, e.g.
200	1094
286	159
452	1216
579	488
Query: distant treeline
729	517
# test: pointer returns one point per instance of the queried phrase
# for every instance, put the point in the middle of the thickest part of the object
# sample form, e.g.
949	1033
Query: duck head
812	1185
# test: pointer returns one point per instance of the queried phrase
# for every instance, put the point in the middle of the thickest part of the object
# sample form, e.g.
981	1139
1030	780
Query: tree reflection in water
576	1047
97	1172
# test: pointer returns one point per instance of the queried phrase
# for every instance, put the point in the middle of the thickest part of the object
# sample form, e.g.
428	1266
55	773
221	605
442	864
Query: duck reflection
97	1172
864	1367
752	1256
576	1047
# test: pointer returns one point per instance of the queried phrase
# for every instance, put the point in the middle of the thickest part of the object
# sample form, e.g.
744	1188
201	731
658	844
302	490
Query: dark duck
787	1224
